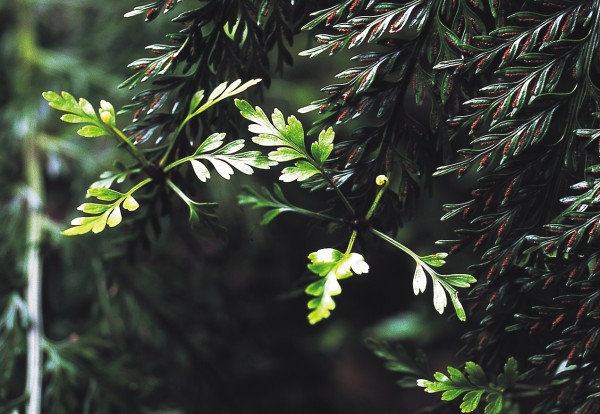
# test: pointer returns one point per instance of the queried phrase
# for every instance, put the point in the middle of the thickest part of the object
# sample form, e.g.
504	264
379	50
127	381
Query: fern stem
397	244
165	156
337	190
131	148
351	242
316	215
139	185
416	257
187	119
383	182
179	162
183	196
319	216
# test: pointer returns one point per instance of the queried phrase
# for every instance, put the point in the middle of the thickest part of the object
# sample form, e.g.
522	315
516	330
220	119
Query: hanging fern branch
230	38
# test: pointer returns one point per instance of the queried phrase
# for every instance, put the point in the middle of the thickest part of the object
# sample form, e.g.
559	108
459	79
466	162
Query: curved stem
183	196
434	274
351	242
179	162
317	215
397	244
341	195
139	185
197	112
384	184
314	214
164	158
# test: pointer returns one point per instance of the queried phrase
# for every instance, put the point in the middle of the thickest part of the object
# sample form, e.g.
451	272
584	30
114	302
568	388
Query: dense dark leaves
519	84
218	41
412	38
532	215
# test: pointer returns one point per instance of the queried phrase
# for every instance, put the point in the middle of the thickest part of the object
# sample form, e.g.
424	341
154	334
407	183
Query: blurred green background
182	327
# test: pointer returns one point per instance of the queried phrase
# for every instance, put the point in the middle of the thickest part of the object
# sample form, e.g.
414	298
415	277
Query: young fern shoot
223	158
289	139
330	264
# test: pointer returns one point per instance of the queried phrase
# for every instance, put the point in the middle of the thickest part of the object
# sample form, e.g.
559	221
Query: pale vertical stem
27	49
34	277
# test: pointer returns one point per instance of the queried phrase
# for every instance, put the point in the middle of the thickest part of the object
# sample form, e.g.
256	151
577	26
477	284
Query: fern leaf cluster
518	83
523	138
218	41
412	38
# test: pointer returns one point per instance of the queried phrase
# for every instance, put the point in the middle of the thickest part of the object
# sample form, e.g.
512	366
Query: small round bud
381	180
107	106
107	112
105	116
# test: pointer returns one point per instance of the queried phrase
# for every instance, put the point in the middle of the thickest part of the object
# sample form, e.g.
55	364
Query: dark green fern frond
412	37
536	262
